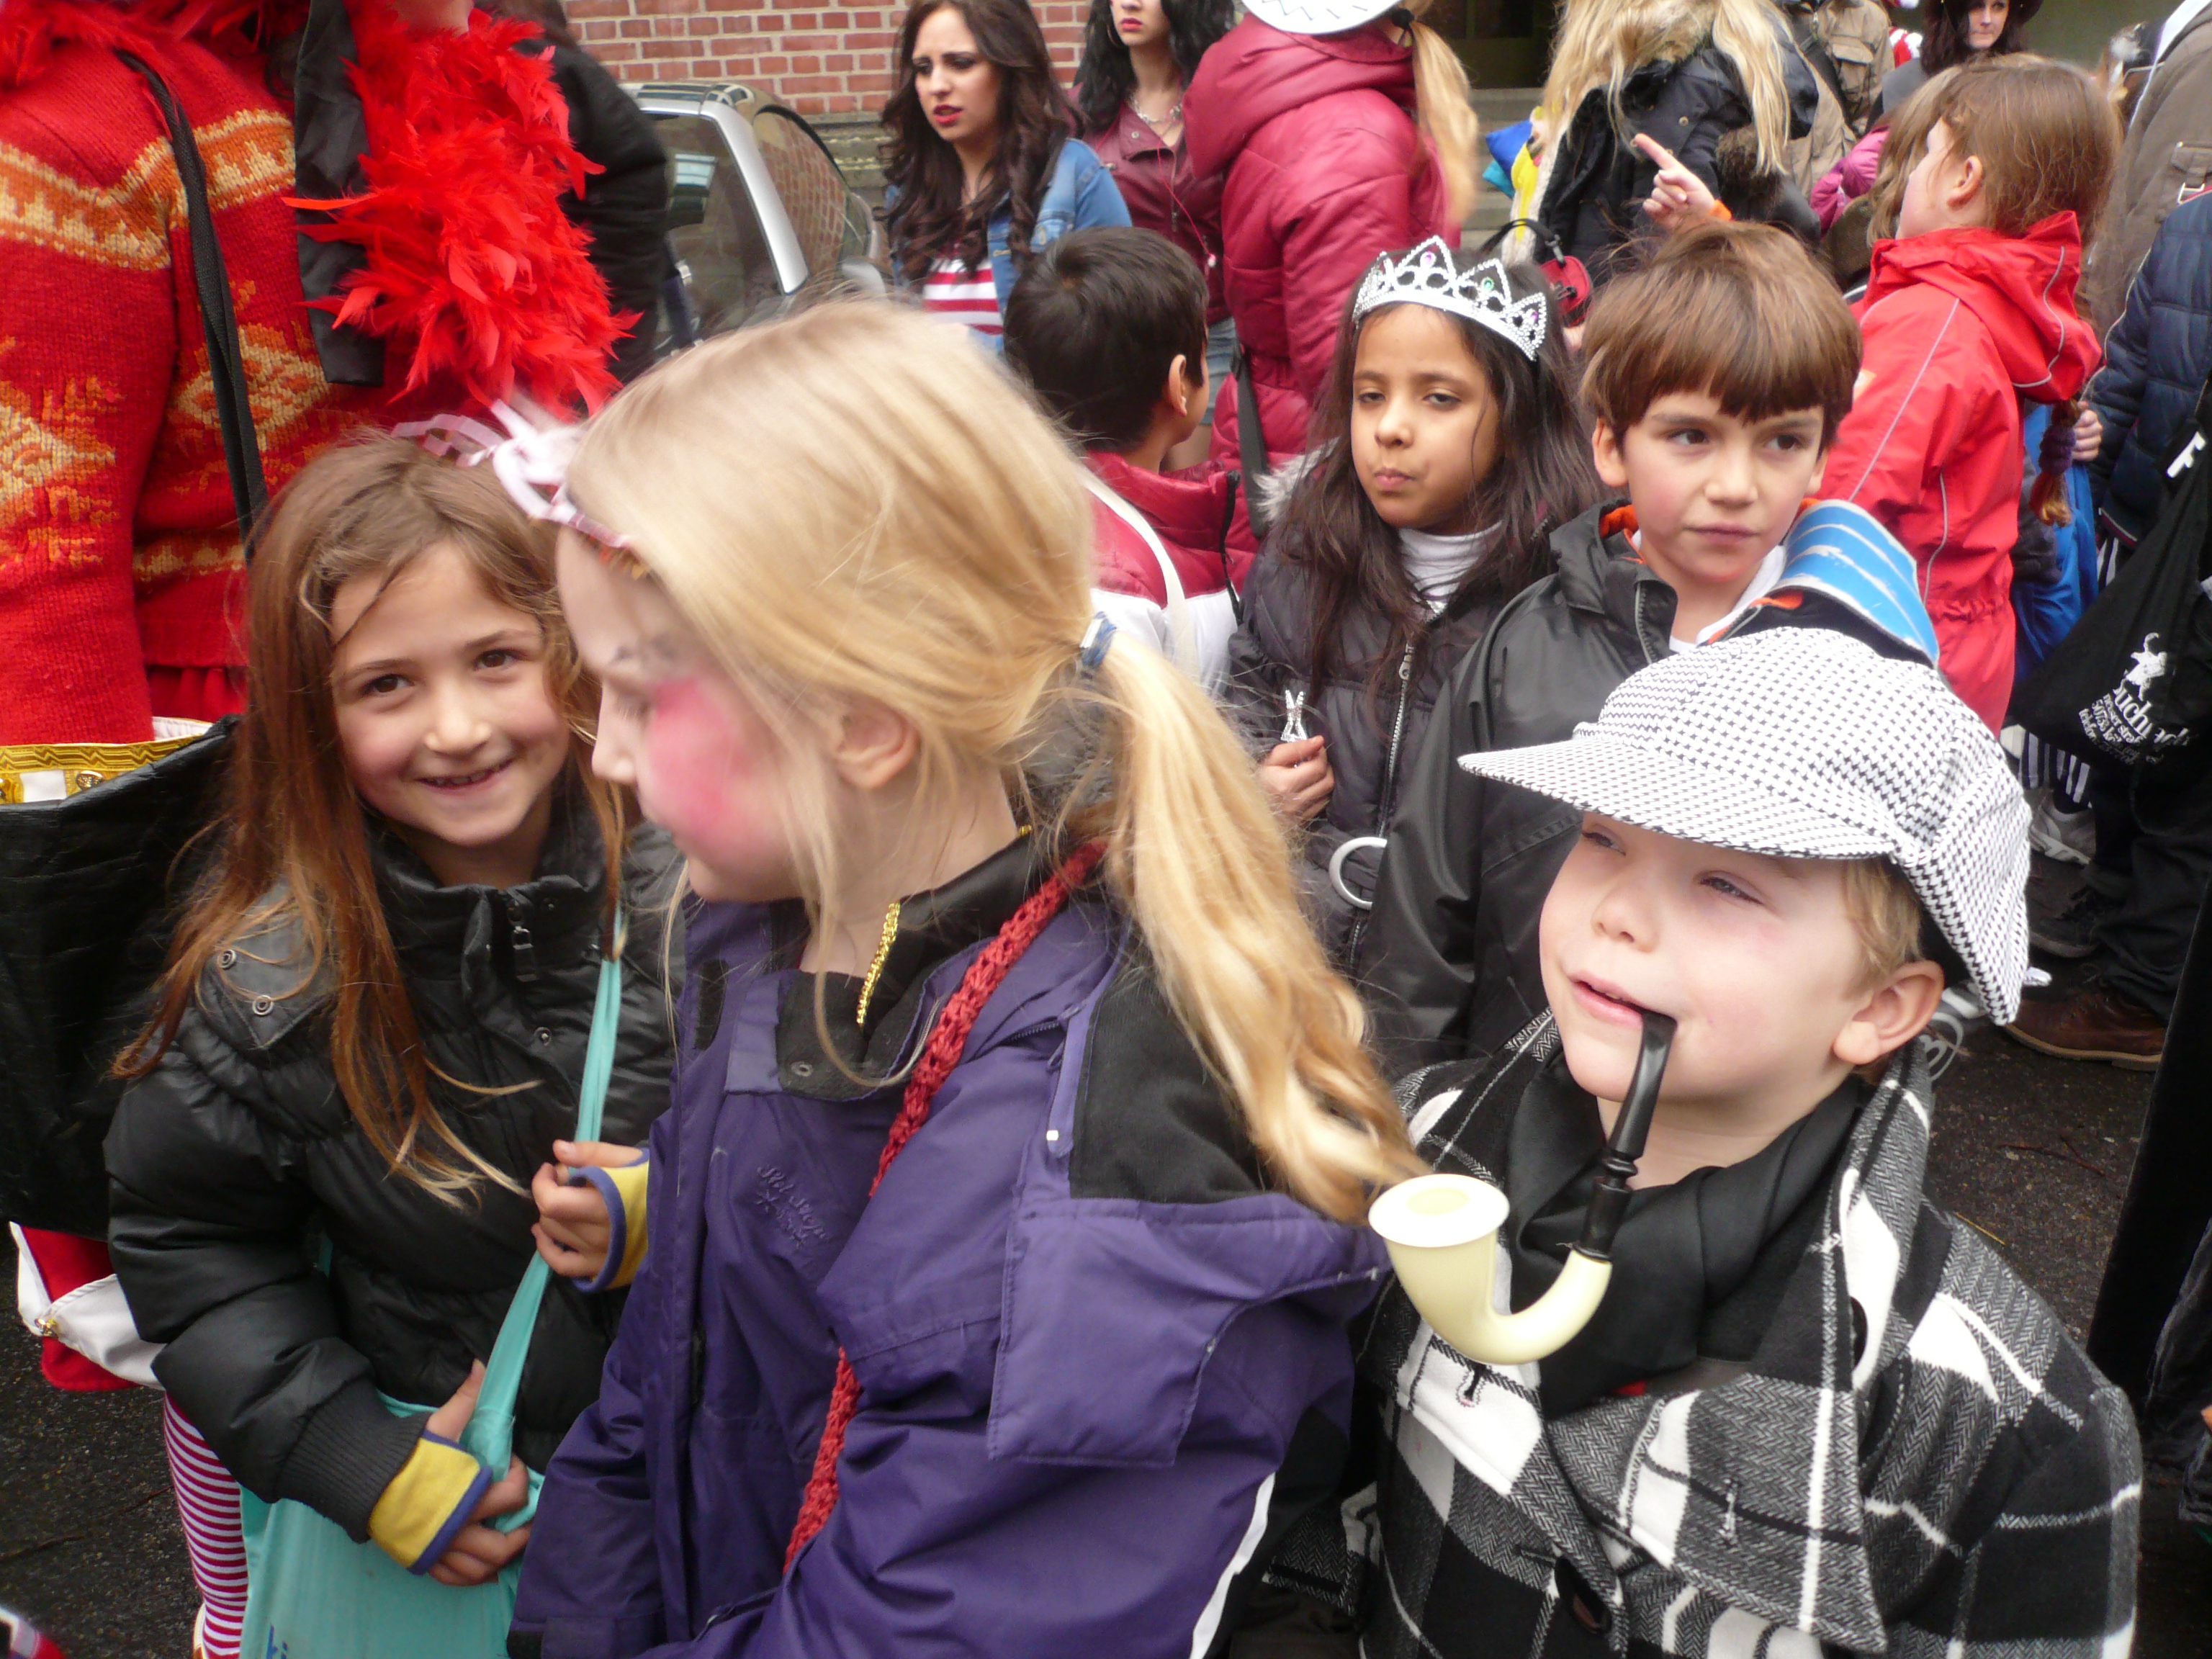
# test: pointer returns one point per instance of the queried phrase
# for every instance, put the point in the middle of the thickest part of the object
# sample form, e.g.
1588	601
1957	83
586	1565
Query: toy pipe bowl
1443	1234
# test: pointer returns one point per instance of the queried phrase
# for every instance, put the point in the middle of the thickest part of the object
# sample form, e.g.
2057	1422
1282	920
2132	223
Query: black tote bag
2132	684
90	883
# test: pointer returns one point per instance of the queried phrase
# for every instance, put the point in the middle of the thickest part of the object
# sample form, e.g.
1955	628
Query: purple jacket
1103	1368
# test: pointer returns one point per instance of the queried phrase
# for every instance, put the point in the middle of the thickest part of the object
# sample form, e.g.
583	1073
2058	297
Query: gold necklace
876	968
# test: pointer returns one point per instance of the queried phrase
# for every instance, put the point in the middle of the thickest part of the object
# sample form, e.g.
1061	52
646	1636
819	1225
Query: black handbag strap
241	451
1251	446
1547	242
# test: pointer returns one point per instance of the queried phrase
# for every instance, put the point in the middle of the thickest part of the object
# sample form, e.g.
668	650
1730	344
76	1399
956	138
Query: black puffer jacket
625	208
1688	95
236	1155
1452	945
1373	735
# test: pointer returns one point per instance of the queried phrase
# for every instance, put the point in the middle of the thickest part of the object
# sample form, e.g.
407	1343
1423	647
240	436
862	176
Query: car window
714	231
830	222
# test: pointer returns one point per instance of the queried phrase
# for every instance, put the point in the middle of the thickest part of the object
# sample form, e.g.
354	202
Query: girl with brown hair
372	1026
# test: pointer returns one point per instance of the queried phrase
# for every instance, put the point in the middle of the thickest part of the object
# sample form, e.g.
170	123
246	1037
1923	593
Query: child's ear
1819	468
871	744
1969	179
1893	1014
1605	449
1181	391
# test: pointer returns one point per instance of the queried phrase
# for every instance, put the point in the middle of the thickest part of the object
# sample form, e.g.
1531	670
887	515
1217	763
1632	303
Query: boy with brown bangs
1968	311
1812	1414
1716	377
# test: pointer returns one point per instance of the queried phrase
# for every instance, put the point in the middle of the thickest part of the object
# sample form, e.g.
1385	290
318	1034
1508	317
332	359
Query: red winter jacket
1959	326
1310	140
1157	187
1189	512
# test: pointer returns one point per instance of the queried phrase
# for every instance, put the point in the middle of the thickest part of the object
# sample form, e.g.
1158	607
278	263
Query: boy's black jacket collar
1687	1280
932	927
1599	571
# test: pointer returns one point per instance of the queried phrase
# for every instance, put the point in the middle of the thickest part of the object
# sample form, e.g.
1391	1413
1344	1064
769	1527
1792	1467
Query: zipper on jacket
1382	801
1643	629
523	947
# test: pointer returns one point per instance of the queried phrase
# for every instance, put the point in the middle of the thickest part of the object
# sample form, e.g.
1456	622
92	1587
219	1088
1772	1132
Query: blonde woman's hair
857	504
1602	42
1446	111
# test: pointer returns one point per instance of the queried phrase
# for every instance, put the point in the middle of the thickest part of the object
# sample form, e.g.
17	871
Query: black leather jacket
1450	965
236	1158
1373	734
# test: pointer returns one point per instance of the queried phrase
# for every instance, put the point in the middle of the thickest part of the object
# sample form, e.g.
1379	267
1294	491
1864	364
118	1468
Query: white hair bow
530	461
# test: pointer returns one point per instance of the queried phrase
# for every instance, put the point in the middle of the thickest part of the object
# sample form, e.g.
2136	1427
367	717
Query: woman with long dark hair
1958	30
1138	56
981	165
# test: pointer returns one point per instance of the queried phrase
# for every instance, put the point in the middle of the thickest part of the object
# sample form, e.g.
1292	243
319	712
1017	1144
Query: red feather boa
31	29
474	272
471	262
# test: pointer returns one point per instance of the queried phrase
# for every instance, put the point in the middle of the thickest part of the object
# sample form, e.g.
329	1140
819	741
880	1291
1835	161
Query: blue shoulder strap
490	1436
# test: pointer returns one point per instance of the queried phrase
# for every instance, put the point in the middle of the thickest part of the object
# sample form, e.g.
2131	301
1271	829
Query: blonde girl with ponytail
1684	72
1332	130
1001	1231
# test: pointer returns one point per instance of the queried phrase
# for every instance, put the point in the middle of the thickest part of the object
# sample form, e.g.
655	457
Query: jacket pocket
1113	1307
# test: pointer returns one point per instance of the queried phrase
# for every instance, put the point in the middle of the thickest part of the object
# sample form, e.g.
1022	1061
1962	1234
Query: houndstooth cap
1317	16
1801	743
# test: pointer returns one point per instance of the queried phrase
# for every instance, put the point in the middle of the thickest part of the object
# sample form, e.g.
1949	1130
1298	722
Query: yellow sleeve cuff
428	1501
631	1184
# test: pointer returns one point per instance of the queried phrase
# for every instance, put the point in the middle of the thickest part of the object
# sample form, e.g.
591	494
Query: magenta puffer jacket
1311	142
1849	179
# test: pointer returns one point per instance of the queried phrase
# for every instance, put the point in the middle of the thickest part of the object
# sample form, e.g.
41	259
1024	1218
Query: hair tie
1095	639
1404	19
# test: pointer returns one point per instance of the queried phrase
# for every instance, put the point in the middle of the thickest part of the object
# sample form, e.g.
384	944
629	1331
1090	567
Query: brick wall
819	59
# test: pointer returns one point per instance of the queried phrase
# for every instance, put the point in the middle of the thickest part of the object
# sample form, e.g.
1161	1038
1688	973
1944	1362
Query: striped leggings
207	1503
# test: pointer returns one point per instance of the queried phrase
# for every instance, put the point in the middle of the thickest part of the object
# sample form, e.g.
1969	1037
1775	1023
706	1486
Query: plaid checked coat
1916	1461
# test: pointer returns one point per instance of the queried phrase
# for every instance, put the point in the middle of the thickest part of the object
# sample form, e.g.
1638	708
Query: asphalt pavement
2033	1151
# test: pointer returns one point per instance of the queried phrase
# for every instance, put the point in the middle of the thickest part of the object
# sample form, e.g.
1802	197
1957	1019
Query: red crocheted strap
948	1041
821	1484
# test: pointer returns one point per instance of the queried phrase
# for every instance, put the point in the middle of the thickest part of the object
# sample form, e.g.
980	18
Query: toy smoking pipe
1443	1234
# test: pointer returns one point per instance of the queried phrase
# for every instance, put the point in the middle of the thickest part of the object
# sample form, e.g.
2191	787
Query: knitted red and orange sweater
119	551
119	544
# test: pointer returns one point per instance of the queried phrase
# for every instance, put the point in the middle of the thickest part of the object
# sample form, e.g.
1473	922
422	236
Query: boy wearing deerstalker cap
1813	1411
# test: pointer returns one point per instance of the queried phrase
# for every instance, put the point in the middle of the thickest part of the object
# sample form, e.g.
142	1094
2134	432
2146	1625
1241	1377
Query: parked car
759	213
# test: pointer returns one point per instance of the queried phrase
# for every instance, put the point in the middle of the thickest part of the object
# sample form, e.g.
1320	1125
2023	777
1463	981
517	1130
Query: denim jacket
1081	195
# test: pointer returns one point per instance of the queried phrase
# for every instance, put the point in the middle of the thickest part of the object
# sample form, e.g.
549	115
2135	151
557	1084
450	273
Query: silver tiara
1426	277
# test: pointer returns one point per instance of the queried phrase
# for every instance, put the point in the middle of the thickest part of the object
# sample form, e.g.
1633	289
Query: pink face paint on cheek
711	779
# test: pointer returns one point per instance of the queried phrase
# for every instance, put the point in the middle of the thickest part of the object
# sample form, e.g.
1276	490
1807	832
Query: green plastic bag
312	1593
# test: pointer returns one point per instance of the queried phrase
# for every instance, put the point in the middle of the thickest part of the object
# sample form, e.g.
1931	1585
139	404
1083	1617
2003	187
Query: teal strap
490	1436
